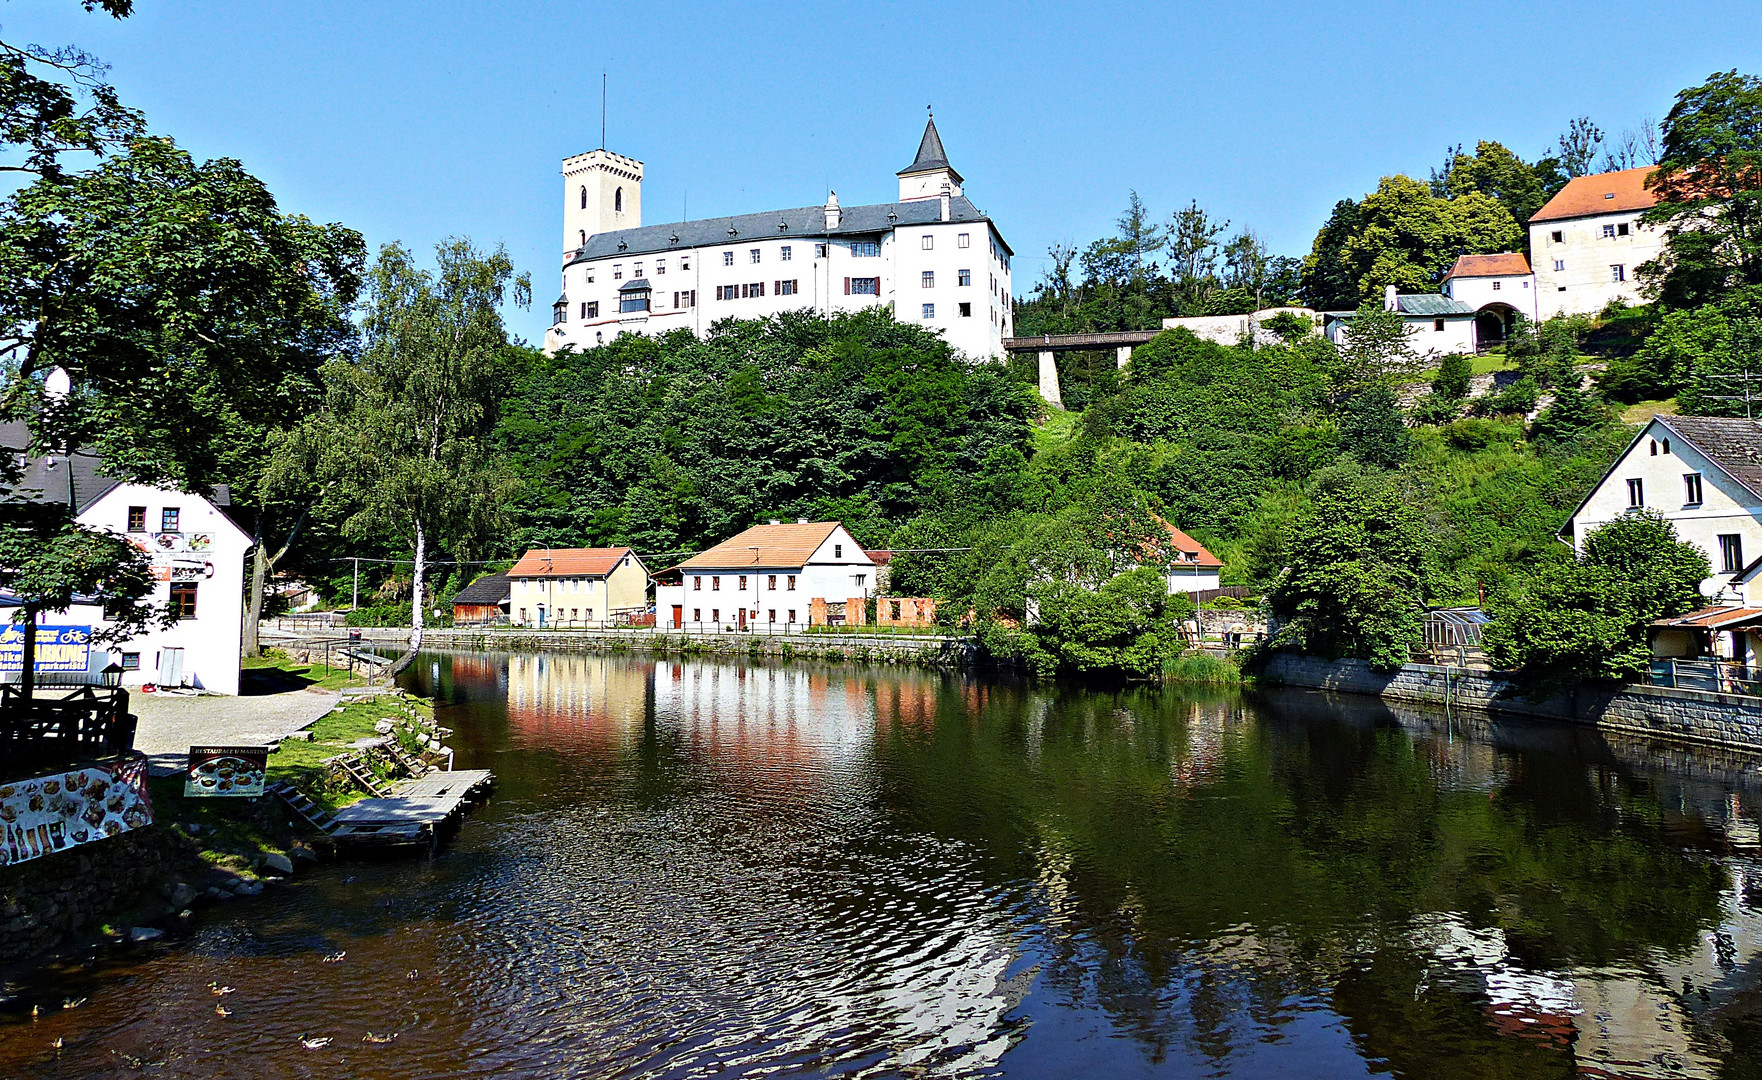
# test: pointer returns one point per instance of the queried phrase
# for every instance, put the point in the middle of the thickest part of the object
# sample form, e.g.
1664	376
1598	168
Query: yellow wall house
578	587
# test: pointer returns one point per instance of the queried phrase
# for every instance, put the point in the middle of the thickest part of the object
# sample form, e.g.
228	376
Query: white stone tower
602	191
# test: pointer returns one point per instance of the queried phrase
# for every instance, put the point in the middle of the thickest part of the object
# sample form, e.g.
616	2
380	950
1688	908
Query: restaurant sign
226	771
76	806
59	648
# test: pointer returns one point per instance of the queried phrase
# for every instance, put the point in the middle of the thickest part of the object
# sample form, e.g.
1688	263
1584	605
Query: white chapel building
932	255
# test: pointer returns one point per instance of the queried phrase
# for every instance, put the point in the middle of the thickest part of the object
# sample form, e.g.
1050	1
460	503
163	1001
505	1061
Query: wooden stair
297	801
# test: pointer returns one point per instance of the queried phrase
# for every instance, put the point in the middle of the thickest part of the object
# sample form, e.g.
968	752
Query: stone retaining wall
937	650
1727	720
45	901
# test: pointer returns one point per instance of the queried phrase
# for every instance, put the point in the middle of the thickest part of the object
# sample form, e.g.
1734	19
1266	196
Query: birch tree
411	419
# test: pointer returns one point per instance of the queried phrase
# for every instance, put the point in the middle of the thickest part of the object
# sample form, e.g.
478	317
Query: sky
414	122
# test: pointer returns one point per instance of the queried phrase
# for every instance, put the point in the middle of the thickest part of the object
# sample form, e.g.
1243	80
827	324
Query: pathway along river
697	868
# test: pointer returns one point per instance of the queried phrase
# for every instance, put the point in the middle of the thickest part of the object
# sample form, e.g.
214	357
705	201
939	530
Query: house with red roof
1499	287
1194	569
577	587
775	576
1588	241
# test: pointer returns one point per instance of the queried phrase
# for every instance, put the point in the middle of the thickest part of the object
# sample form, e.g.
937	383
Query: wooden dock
414	813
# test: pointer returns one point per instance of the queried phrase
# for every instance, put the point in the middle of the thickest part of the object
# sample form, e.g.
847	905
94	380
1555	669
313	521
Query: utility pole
355	593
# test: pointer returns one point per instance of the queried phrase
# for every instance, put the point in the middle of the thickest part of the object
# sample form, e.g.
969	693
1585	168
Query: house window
1437	324
791	614
131	661
929	311
1654	447
1691	488
771	582
963	277
819	251
1731	552
1621	230
838	551
1555	237
786	288
866	249
743	583
927	279
1496	286
966	310
697	584
685	299
168	519
1559	264
1617	272
1636	493
728	258
893	610
183	599
754	255
929	242
963	240
715	614
773	613
862	286
859	579
137	519
783	253
1666	445
716	584
1608	232
697	614
790	582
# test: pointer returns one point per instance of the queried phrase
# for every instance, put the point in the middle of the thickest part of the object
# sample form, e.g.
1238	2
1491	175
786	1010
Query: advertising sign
65	809
59	648
216	771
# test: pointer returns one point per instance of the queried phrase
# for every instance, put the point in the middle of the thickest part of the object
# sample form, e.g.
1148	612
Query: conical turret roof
930	154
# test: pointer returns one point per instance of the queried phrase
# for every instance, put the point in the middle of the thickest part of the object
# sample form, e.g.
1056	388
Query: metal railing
1715	676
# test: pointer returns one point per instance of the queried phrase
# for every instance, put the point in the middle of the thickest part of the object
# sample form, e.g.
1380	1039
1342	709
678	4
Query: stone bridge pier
1047	347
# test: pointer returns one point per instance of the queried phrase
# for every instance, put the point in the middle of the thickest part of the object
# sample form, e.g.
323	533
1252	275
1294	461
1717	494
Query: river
703	868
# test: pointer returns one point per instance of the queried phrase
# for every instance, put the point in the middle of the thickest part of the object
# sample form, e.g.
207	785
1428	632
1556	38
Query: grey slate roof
930	154
47	477
804	222
489	589
632	286
1733	443
1431	304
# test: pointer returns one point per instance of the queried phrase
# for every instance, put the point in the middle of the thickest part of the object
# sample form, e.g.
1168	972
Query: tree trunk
409	656
254	609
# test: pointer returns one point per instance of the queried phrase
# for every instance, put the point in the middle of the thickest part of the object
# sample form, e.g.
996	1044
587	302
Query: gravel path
171	724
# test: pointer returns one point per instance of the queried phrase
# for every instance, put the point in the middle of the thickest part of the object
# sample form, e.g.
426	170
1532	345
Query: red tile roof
1186	545
1504	264
769	545
1604	193
568	562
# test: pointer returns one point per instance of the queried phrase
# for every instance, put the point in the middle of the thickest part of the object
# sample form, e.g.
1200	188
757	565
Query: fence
49	732
1718	676
1239	592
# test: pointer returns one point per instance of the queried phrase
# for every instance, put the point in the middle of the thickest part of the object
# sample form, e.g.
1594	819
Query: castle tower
602	191
930	174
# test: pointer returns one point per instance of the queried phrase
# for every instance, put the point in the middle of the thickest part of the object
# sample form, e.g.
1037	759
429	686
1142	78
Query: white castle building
932	255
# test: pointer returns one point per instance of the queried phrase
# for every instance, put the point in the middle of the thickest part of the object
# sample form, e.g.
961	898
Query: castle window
783	253
754	255
964	277
963	240
137	520
929	242
728	258
636	271
584	196
862	286
635	300
786	288
966	311
819	251
617	271
660	267
866	249
583	237
1617	272
618	200
685	262
929	311
590	275
590	310
1495	286
1559	265
927	279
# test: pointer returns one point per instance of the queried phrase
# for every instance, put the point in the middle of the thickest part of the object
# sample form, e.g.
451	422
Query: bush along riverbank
147	885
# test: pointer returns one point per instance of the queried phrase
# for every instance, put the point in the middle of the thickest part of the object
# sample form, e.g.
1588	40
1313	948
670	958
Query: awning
1713	618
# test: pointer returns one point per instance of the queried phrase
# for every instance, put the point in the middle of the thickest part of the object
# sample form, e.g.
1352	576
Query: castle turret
602	191
930	173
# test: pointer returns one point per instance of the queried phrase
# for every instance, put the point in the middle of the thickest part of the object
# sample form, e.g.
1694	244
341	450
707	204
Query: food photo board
226	771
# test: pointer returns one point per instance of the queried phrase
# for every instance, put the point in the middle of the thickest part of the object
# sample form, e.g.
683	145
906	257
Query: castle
933	256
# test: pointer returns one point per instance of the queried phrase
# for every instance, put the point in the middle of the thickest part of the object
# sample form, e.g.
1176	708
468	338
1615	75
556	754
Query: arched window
584	196
618	200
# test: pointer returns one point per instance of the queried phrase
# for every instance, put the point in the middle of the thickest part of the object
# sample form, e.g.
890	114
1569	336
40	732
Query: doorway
678	616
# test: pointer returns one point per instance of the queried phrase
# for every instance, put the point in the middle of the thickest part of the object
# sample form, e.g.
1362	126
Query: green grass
1059	428
1486	365
1201	669
302	763
275	671
1643	411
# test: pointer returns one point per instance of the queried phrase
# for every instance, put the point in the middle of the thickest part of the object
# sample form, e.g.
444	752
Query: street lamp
112	674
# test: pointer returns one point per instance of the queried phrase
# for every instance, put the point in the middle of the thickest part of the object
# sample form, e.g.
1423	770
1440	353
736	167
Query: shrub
1201	669
1454	375
1515	400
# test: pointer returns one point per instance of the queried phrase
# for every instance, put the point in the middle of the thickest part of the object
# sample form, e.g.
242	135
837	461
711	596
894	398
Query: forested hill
673	443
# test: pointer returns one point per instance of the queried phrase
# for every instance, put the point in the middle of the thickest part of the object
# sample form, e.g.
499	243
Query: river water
695	868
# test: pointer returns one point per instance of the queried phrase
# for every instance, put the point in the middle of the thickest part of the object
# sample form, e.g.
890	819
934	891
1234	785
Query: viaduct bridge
1122	342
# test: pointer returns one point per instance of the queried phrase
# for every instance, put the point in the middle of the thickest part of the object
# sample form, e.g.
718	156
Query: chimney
775	521
1390	300
801	521
945	198
833	213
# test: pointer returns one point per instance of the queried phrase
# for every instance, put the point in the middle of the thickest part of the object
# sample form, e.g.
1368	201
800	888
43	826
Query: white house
1194	569
934	256
1587	242
774	576
1437	325
1499	288
198	558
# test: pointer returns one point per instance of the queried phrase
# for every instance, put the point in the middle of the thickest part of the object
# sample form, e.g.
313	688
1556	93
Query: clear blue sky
415	121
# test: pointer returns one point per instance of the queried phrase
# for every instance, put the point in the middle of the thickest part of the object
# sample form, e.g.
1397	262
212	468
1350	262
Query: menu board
59	648
65	809
226	771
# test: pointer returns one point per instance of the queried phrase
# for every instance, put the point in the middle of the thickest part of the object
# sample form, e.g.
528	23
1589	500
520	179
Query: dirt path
170	724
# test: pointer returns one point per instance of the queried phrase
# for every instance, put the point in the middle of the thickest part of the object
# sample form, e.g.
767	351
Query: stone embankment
934	650
1695	716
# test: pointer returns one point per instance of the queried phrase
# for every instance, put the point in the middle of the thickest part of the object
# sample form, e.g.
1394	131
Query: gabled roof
489	589
1504	264
568	562
634	285
1732	444
931	156
1431	304
46	476
1603	193
1188	546
802	222
779	546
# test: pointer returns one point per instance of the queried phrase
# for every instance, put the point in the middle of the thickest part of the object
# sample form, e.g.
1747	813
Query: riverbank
1730	721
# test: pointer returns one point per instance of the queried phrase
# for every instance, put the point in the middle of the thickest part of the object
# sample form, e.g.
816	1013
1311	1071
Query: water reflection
697	867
